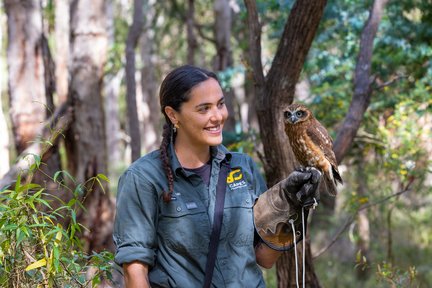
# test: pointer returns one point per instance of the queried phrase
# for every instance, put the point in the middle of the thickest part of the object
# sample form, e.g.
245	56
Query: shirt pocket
238	225
183	226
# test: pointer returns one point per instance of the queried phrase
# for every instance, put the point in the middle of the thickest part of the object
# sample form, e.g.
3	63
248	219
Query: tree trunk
223	59
191	39
85	141
112	84
131	43
26	70
4	140
275	92
62	48
149	86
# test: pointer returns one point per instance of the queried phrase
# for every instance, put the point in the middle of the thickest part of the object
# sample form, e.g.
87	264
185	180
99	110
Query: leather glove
284	202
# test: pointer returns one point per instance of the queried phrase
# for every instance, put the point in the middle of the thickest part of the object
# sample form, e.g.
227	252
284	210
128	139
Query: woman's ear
172	114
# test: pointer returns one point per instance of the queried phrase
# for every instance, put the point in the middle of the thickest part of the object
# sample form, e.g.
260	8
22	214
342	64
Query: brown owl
311	144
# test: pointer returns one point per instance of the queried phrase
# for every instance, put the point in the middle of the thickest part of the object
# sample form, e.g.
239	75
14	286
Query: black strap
217	223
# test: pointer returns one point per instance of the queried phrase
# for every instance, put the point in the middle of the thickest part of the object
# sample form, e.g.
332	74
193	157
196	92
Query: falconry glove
284	202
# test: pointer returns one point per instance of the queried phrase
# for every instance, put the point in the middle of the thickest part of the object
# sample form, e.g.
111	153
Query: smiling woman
190	203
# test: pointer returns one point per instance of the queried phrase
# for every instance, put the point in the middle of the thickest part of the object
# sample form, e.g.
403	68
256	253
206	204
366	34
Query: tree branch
362	84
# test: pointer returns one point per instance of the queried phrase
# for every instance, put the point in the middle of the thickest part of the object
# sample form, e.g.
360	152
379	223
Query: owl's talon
300	169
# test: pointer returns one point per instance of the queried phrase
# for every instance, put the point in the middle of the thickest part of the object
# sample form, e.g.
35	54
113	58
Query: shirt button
178	209
247	201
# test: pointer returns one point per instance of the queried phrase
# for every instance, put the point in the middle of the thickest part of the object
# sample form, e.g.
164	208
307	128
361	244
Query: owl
311	144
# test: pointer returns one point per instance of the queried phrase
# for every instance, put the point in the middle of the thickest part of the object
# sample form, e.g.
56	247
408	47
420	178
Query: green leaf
37	264
103	177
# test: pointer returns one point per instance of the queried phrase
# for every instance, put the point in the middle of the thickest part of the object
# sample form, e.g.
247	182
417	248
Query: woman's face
201	119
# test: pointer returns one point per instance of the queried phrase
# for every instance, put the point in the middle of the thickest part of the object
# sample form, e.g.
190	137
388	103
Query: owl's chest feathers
306	151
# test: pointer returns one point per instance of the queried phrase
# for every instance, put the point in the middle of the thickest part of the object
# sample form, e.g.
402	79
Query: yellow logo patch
235	179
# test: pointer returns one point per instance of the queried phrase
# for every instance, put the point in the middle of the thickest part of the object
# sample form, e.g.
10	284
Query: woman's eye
203	109
221	104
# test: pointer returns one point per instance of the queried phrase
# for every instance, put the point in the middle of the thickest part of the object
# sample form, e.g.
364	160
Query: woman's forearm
136	275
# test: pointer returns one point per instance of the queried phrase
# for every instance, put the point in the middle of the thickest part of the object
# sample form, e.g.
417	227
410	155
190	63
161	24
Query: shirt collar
219	153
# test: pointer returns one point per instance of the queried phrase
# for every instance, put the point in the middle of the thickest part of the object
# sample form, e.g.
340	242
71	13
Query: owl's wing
320	137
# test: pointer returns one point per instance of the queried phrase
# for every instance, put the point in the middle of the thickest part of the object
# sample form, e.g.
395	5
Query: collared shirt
173	238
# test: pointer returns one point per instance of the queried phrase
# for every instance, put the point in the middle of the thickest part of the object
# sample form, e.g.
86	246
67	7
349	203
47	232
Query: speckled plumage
311	144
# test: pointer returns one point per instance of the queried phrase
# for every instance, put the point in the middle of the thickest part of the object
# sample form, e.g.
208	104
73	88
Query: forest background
79	97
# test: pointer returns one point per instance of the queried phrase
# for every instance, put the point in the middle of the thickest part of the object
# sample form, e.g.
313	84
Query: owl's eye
287	114
299	114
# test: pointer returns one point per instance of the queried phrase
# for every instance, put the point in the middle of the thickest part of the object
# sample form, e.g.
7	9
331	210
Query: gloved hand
283	202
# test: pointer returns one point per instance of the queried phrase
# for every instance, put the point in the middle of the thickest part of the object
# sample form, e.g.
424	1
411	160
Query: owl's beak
293	119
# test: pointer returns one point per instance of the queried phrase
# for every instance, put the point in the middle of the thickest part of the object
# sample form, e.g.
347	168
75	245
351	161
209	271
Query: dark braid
174	91
166	136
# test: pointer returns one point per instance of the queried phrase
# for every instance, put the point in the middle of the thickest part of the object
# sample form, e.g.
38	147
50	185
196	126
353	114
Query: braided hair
174	91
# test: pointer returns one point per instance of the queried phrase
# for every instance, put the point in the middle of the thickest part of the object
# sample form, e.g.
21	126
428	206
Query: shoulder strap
217	223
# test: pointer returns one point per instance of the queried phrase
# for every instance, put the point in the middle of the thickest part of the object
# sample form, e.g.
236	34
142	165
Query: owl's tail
331	179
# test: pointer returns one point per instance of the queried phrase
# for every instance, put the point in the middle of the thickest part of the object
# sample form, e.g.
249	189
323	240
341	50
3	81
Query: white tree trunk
4	139
150	114
62	48
85	141
26	70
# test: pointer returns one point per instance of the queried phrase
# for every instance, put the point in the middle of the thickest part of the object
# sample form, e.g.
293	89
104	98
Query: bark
131	43
85	140
4	140
149	86
273	93
112	85
223	58
191	39
362	83
51	157
62	48
26	70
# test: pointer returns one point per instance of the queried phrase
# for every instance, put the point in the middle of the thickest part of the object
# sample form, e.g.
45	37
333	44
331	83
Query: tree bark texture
274	92
149	85
112	84
362	83
190	32
4	139
62	48
26	70
4	142
131	43
85	140
223	58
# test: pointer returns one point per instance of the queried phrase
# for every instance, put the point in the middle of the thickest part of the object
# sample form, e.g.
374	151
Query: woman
166	200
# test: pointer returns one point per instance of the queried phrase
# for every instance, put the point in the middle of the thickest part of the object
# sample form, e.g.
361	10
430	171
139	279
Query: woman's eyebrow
209	103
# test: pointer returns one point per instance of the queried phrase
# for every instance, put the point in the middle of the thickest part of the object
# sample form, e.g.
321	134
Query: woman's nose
216	115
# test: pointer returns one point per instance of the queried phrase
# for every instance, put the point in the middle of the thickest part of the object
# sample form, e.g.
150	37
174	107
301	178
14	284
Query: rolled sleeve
135	222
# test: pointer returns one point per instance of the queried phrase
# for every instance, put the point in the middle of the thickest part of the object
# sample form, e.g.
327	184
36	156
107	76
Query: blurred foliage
40	243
